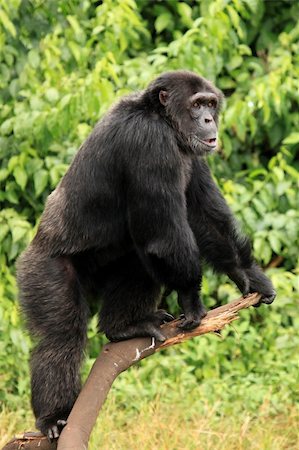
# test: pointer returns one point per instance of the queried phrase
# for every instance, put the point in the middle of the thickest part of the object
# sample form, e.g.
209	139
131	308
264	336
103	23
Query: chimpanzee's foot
150	326
51	429
192	319
192	307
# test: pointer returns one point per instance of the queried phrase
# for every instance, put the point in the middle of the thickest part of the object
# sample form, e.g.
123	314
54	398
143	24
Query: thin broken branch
114	359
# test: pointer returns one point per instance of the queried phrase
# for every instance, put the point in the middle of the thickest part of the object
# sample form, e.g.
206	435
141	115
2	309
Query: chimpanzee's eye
196	105
212	105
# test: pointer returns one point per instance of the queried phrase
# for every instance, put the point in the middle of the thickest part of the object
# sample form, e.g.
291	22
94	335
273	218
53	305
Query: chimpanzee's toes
163	316
61	423
153	323
192	320
155	331
150	326
189	324
53	431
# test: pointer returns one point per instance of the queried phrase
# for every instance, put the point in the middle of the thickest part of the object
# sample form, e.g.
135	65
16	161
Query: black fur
136	211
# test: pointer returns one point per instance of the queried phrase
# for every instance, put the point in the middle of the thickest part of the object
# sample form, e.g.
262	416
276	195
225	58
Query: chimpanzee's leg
52	300
130	300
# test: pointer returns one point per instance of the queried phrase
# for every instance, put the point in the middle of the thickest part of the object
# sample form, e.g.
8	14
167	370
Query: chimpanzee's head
191	105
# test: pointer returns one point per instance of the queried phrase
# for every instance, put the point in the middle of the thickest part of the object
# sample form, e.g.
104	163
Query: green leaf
185	12
4	229
241	130
52	95
163	21
20	176
259	206
34	59
257	245
13	162
244	49
13	252
65	100
40	181
3	174
235	20
74	24
234	62
289	169
7	126
11	195
253	5
257	173
18	233
275	242
76	50
227	144
8	25
293	138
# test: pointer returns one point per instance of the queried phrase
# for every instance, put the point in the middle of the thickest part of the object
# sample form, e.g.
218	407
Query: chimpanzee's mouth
212	142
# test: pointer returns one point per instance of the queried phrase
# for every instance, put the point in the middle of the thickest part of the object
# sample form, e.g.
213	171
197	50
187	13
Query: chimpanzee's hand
254	280
260	283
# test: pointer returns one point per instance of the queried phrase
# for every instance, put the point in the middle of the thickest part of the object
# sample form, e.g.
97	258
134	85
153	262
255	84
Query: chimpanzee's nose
208	119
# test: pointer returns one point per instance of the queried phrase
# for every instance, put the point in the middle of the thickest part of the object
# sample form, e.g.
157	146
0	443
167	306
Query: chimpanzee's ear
163	97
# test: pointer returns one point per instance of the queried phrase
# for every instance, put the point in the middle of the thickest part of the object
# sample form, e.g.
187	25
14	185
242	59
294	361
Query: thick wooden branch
114	359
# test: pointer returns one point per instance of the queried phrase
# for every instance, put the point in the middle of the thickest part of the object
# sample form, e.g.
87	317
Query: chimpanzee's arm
218	237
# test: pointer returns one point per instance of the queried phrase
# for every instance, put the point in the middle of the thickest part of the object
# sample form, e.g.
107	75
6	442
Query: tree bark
114	359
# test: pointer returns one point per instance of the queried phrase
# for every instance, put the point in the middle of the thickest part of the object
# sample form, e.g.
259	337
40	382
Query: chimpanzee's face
193	107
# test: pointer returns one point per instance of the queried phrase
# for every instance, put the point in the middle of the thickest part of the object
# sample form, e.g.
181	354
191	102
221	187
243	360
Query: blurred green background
62	64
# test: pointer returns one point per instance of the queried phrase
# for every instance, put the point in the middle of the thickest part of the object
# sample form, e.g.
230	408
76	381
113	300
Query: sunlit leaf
33	58
18	233
40	181
293	138
162	22
20	176
7	23
52	95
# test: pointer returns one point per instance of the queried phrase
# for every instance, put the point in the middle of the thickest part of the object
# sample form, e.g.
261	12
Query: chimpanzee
137	211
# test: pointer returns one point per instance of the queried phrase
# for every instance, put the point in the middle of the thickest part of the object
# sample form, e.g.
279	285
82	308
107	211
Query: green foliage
14	344
61	66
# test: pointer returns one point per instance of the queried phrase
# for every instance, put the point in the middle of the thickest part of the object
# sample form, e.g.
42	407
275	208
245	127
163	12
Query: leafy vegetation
61	66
